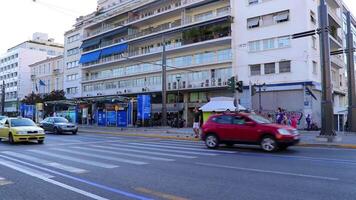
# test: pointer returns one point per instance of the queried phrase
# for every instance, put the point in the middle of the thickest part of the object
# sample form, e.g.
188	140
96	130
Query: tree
55	95
32	99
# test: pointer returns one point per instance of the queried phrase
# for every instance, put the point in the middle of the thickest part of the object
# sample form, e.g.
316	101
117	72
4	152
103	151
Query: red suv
242	128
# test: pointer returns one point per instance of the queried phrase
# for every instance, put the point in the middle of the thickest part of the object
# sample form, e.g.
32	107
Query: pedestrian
279	116
294	122
308	120
196	123
269	117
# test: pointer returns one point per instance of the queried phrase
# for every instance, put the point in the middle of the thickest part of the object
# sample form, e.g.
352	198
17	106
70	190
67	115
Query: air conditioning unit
219	82
213	82
143	89
206	83
202	84
184	85
225	83
169	86
190	86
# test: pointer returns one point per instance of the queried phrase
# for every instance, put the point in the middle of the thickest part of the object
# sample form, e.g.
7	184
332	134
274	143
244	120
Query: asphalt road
92	166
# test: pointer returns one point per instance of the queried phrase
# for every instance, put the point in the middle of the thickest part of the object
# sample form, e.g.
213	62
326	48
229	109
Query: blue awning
114	50
90	57
91	42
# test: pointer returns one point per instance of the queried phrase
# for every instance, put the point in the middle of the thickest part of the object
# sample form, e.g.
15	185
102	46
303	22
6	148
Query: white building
15	71
72	71
47	75
266	53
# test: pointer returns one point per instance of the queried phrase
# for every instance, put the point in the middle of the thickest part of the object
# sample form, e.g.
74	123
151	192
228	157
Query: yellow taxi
21	130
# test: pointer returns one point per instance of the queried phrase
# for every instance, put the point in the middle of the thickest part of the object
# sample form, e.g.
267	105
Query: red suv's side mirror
250	123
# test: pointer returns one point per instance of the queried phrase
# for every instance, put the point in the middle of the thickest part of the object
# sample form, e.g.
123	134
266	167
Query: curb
188	138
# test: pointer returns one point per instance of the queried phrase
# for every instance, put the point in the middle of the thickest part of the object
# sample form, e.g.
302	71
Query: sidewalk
308	138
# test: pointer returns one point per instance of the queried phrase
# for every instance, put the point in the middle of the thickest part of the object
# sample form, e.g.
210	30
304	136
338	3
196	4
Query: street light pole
3	98
178	77
351	114
327	113
164	84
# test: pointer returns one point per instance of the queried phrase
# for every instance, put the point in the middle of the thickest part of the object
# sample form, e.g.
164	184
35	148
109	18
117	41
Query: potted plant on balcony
192	35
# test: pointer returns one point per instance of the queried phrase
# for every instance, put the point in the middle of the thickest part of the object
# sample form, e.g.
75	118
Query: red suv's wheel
269	144
212	141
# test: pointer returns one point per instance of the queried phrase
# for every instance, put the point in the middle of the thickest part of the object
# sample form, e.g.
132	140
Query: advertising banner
122	118
143	107
101	118
111	118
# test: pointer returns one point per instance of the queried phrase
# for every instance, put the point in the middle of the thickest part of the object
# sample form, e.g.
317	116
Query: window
314	42
268	44
73	38
73	51
312	17
252	2
283	42
225	119
238	120
282	17
315	67
254	46
253	22
255	70
203	16
72	90
72	64
284	67
72	77
270	68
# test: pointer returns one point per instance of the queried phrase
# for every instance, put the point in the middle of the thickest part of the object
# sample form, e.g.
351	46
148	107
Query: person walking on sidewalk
308	120
196	123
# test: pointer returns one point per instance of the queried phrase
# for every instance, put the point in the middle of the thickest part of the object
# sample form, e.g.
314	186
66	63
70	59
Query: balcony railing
137	17
107	59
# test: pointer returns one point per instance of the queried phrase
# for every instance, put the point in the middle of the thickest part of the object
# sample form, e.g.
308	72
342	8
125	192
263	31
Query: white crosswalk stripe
155	144
145	152
102	157
74	159
45	162
3	181
164	150
124	154
24	169
199	145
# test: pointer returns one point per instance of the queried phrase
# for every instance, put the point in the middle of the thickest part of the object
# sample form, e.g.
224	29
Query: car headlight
284	131
21	132
41	132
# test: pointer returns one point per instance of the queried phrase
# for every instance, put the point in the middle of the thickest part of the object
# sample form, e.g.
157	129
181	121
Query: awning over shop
114	50
90	57
91	42
221	104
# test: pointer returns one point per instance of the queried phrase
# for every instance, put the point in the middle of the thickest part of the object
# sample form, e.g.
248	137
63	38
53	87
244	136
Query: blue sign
101	118
28	111
143	107
111	118
122	118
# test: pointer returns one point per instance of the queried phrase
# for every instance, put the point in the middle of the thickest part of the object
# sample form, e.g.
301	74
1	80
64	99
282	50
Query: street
93	166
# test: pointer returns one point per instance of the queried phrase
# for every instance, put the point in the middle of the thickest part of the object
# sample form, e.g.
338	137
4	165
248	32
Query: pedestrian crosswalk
79	159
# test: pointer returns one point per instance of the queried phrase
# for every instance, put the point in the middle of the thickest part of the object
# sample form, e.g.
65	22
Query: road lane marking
97	185
145	152
159	194
24	169
3	181
268	171
134	162
46	178
54	139
125	154
45	162
81	143
79	160
182	143
164	150
151	144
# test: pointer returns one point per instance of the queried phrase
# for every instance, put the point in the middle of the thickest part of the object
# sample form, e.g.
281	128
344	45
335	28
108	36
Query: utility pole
351	115
327	113
3	98
164	84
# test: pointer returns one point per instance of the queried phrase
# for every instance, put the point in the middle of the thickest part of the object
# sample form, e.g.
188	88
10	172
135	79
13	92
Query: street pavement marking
54	139
47	178
81	143
159	194
79	160
125	154
145	152
45	162
268	171
24	169
3	181
183	144
139	146
101	156
176	147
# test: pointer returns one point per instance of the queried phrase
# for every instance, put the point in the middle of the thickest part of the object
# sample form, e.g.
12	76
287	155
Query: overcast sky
20	18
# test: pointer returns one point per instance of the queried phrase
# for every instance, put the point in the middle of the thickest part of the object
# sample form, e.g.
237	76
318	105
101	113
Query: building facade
47	75
15	72
207	42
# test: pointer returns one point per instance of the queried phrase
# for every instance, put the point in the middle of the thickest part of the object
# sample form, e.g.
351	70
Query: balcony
337	61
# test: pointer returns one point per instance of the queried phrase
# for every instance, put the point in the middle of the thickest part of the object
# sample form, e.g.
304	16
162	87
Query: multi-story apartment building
121	54
72	71
290	68
15	71
47	75
207	42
